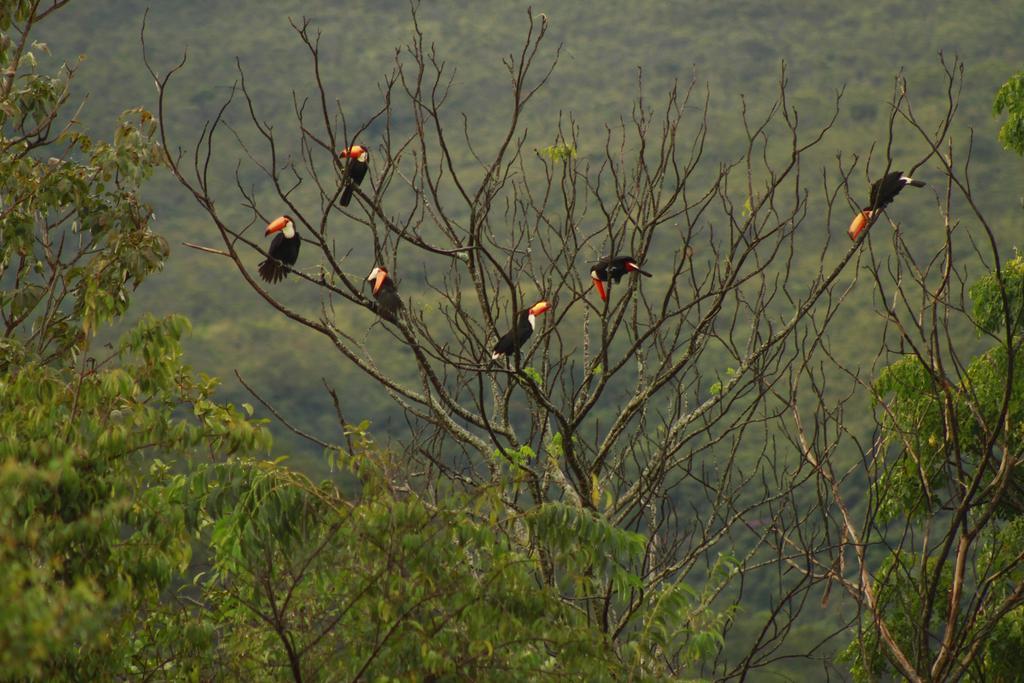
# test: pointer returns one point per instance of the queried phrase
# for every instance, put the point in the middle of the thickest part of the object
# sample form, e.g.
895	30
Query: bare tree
654	411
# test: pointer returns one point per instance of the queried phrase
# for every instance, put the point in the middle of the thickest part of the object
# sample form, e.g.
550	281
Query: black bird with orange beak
613	268
517	336
883	191
386	294
283	252
355	171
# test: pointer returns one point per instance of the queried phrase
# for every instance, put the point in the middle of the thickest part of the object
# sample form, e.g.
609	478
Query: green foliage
939	438
716	387
582	539
391	586
388	587
515	456
87	543
534	375
555	449
901	581
918	425
19	10
1001	660
560	152
930	425
987	299
903	586
913	425
74	233
592	555
1010	98
748	209
1001	649
86	540
683	620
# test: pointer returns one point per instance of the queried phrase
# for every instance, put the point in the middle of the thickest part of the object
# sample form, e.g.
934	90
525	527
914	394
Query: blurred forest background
732	48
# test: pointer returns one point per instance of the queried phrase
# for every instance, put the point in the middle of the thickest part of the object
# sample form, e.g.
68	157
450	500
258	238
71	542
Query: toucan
355	171
386	294
517	336
883	191
613	268
283	252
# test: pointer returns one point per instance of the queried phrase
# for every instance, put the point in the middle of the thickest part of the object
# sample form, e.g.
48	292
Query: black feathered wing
389	304
356	173
513	340
884	190
283	254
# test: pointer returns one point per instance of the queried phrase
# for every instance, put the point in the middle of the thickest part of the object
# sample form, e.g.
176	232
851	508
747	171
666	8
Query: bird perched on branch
526	320
355	170
613	268
283	252
385	293
883	191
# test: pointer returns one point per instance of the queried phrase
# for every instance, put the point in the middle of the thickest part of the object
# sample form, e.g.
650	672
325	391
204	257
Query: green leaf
534	375
1010	99
560	152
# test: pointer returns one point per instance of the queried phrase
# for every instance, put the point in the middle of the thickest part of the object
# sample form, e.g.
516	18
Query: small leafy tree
955	459
86	545
304	580
1010	98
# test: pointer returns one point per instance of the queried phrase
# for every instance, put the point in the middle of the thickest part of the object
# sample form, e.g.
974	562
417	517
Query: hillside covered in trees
762	450
732	49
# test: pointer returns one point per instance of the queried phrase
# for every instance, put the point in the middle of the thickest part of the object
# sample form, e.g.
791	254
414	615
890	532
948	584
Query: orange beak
860	221
539	307
382	275
351	152
275	225
599	286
